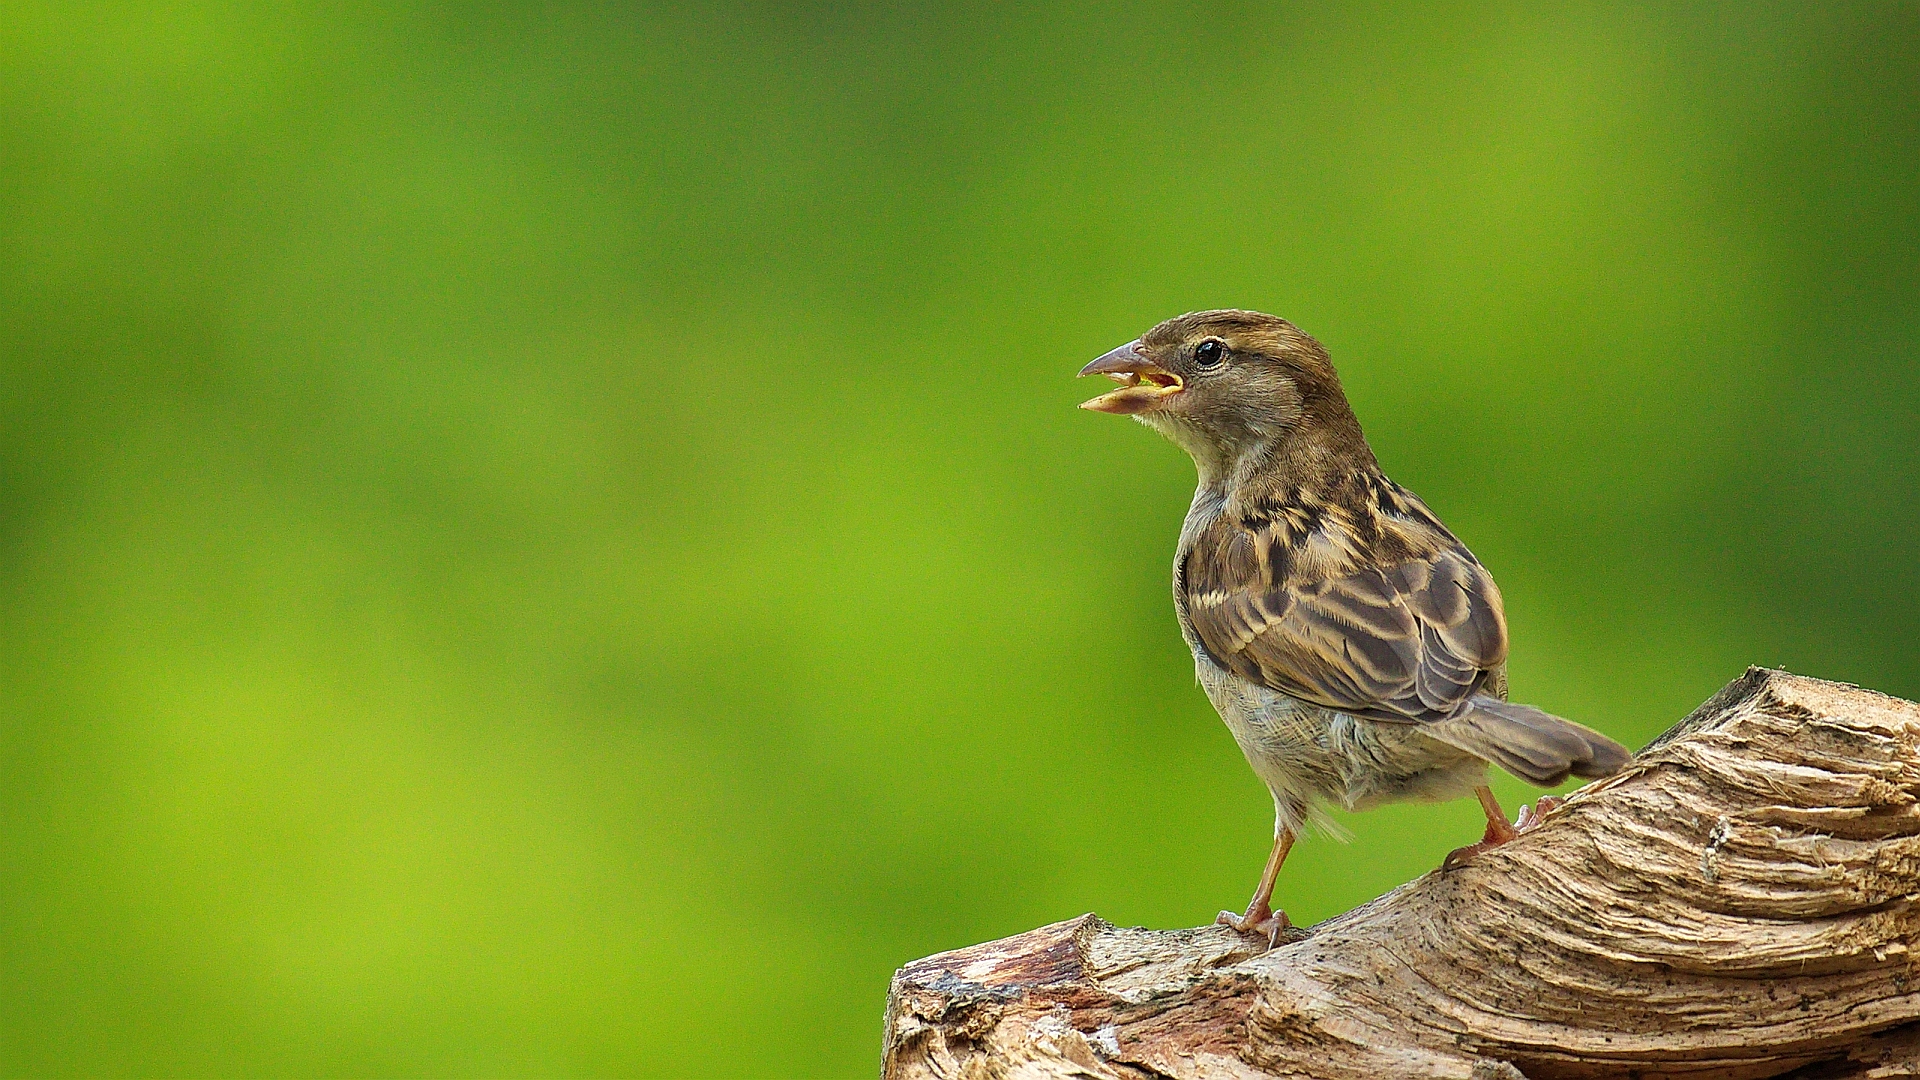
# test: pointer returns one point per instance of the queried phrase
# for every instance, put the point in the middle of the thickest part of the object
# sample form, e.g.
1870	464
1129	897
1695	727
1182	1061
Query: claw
1535	814
1461	856
1499	832
1266	923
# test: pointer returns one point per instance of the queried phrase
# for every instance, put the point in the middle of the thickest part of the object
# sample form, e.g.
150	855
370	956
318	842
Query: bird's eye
1209	352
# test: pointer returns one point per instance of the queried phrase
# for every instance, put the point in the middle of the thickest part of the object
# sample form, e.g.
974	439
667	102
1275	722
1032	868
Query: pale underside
1308	755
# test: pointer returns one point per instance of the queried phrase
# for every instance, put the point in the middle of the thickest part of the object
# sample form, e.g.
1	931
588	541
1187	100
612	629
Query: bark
1738	902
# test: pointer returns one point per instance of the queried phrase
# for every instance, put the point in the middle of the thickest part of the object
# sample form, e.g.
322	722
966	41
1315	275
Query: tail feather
1535	746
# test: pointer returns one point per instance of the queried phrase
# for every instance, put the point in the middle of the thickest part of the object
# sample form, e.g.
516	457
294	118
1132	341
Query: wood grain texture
1739	902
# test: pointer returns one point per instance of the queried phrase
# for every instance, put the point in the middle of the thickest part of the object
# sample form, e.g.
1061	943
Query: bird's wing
1394	621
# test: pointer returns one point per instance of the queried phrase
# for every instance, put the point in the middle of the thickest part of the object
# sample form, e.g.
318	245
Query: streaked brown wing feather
1409	642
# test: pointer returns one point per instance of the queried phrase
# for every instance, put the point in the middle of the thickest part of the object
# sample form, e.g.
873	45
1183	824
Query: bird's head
1223	383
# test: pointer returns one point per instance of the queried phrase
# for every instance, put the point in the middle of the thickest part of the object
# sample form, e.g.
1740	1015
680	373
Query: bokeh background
555	540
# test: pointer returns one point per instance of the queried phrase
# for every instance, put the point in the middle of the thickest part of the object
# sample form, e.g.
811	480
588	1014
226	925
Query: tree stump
1738	902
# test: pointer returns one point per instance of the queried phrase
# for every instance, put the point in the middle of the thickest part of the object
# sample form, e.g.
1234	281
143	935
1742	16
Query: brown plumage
1353	597
1354	646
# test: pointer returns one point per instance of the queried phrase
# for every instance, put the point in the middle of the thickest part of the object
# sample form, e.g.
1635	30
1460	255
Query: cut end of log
1739	902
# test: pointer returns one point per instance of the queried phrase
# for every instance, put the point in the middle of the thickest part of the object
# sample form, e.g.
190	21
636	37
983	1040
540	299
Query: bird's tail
1535	746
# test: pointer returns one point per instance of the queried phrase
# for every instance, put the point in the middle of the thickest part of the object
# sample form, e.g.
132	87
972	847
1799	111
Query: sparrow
1354	647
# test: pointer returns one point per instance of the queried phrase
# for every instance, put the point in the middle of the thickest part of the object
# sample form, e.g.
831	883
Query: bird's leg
1260	917
1498	831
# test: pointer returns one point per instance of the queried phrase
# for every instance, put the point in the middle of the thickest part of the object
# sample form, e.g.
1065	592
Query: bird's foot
1535	814
1461	856
1499	832
1260	920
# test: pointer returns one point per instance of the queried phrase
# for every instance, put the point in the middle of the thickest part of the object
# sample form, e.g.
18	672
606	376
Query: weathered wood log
1739	902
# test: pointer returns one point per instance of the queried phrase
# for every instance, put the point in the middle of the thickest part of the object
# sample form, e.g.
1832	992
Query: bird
1355	648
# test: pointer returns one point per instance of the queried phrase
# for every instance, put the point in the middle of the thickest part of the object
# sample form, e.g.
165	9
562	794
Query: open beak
1143	384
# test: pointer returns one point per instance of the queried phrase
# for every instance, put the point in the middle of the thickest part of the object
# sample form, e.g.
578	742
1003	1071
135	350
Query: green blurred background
555	539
